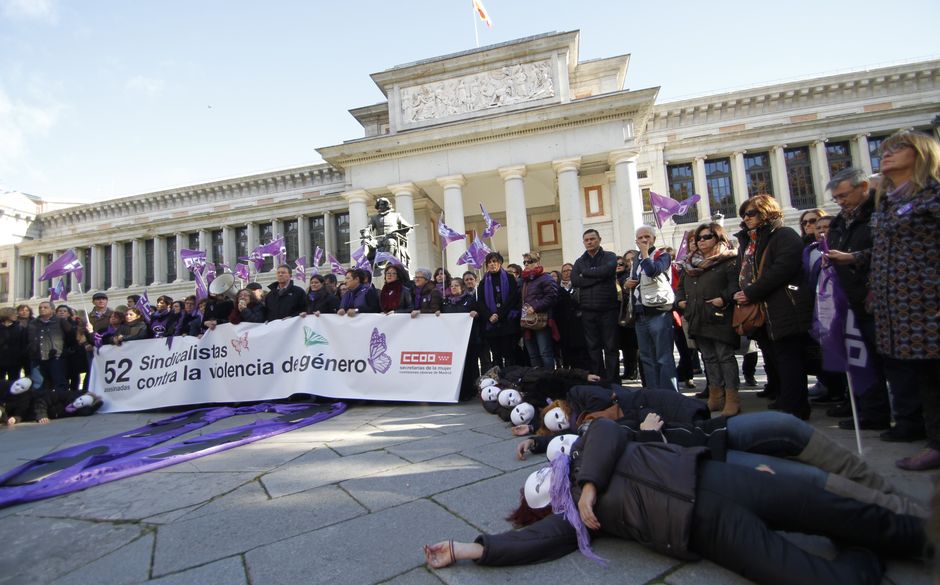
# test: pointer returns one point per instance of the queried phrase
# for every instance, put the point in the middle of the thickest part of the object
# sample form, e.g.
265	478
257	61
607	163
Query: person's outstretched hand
586	506
439	555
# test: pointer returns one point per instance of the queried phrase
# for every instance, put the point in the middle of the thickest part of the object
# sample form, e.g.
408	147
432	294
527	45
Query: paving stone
419	576
128	564
188	543
502	455
370	438
485	504
168	517
323	467
397	486
141	496
230	571
368	549
497	428
320	433
705	573
259	456
434	447
39	550
250	494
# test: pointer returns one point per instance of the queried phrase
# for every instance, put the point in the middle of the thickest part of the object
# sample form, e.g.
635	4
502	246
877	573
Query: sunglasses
812	221
528	262
891	149
620	264
705	237
751	213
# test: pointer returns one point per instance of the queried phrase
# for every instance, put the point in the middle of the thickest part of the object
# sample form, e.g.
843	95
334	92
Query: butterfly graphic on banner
378	359
240	343
311	337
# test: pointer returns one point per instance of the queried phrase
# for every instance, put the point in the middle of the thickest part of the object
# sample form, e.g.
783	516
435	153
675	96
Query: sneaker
840	410
865	425
926	459
896	435
750	382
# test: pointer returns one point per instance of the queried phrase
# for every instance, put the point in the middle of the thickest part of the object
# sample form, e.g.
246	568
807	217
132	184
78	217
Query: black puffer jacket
282	304
12	345
789	303
596	281
855	237
718	280
636	404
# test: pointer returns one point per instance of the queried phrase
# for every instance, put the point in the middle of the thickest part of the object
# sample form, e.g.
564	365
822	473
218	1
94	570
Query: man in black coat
285	299
850	244
595	277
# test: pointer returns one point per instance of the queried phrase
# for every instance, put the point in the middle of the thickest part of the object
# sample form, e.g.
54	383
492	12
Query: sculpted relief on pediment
511	84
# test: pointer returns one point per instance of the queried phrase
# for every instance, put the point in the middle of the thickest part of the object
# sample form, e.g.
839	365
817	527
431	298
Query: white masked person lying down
677	502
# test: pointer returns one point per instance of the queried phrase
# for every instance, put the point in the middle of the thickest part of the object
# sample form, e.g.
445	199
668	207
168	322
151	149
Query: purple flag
363	263
64	264
447	235
317	258
192	258
683	246
274	248
387	258
300	271
254	258
835	327
475	254
241	272
335	266
143	304
491	224
665	207
358	253
202	289
58	292
208	272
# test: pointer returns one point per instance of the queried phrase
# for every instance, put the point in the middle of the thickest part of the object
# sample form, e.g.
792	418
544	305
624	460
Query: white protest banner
377	357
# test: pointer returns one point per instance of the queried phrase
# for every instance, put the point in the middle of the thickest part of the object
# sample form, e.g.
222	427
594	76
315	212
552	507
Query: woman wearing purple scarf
360	295
498	298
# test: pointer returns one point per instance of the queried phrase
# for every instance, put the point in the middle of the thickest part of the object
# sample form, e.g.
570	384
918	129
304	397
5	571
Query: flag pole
858	433
476	32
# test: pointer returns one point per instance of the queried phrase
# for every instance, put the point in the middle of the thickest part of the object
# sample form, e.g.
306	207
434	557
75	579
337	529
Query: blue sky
108	98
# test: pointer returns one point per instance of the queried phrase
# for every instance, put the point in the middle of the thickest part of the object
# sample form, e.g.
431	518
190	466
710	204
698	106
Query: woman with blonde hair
905	271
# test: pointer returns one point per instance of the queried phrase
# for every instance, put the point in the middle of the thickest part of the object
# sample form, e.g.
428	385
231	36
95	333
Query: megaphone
223	285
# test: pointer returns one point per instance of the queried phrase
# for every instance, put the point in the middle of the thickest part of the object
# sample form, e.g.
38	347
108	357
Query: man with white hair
653	297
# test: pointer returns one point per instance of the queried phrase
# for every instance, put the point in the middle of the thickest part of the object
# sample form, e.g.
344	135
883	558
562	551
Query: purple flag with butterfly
300	271
58	292
192	258
447	234
475	254
336	266
143	305
665	207
836	329
65	264
491	224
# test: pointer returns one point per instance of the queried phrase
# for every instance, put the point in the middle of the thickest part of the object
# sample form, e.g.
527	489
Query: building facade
550	145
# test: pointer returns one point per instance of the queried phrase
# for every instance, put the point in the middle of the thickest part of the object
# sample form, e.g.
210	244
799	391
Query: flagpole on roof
476	32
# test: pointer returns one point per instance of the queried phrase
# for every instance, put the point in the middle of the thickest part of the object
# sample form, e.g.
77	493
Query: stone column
778	171
252	235
97	268
570	210
20	279
74	283
820	163
405	194
628	198
205	244
701	187
117	266
739	178
864	156
453	217
159	260
228	246
181	270
517	222
303	239
137	268
358	202
39	264
329	235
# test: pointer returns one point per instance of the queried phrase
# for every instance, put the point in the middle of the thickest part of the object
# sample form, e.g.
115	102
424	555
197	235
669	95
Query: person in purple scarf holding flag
498	306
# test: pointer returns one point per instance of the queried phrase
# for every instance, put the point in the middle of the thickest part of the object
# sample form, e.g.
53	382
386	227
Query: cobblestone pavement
348	500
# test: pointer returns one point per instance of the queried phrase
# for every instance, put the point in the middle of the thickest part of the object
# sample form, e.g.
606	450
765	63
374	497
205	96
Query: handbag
750	317
656	292
532	321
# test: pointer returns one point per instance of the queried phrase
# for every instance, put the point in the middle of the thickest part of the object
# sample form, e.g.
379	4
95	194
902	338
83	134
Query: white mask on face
510	398
486	383
491	393
20	386
538	488
522	414
560	445
83	401
556	420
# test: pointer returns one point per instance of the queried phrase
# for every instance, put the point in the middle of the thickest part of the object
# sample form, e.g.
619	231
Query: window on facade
171	259
107	267
341	229
681	187
266	231
290	240
759	176
838	156
5	287
317	235
241	245
218	248
647	207
874	152
128	264
148	266
86	274
720	189
800	177
193	245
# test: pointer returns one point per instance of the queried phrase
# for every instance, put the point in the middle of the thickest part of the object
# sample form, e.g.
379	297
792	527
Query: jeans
52	370
721	366
541	349
654	337
601	335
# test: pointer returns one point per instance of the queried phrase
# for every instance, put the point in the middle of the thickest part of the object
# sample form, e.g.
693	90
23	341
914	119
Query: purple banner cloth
475	253
447	235
335	266
143	305
664	207
140	450
58	292
65	264
491	224
192	258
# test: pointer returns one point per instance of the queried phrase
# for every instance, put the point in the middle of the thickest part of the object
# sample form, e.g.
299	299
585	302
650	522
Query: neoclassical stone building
549	144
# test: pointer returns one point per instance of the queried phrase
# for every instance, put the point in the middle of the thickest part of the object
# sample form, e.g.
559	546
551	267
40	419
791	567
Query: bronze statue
387	232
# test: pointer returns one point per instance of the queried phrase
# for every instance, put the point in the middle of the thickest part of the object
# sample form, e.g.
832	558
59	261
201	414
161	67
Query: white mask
560	445
83	401
510	398
486	382
491	393
20	386
522	414
556	420
538	488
